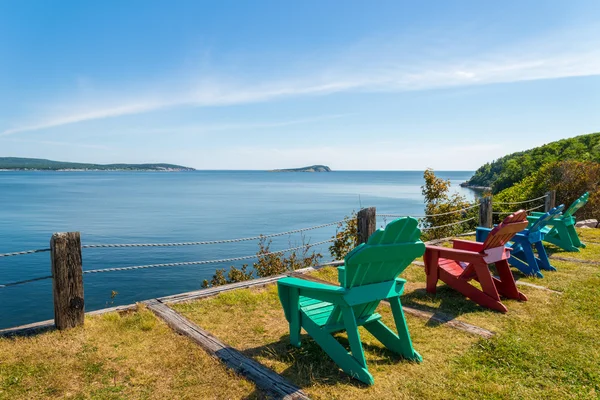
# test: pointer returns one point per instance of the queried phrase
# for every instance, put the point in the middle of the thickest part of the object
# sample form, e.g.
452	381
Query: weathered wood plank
271	383
29	329
43	326
450	321
67	280
574	260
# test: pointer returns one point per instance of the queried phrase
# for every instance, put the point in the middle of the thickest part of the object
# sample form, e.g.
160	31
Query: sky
355	85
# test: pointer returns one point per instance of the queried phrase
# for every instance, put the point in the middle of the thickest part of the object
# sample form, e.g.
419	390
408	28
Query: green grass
132	356
546	347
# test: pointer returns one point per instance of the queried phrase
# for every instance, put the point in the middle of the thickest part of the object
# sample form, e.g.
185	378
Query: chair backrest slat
544	219
577	204
385	255
503	232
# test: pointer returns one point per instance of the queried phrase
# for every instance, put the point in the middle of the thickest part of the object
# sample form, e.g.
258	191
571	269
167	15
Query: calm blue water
134	207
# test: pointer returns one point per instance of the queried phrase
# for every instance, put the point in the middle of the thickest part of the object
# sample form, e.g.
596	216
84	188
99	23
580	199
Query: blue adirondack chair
560	231
522	256
369	275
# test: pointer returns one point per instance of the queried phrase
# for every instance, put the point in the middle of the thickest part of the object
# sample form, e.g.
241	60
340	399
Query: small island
312	168
38	164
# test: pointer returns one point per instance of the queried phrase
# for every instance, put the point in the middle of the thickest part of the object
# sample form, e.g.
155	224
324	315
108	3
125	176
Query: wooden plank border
267	380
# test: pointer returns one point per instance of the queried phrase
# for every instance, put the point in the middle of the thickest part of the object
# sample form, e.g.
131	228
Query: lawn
131	356
543	348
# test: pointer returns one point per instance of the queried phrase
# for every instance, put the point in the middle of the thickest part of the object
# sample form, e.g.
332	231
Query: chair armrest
455	254
467	245
309	285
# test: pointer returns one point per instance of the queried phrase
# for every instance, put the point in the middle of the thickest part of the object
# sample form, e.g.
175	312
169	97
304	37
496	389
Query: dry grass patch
130	356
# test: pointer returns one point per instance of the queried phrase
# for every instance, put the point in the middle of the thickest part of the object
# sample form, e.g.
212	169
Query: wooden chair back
504	231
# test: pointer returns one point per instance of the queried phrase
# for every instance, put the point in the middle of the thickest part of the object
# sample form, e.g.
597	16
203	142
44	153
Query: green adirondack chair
560	231
369	275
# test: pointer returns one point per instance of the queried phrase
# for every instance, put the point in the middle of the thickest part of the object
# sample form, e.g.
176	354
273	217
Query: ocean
160	207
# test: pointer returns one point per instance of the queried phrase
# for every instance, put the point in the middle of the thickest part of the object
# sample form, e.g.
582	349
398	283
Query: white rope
97	246
224	260
20	253
454	223
510	212
519	202
429	215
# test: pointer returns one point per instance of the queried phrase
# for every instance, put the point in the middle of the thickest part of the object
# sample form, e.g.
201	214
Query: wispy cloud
383	70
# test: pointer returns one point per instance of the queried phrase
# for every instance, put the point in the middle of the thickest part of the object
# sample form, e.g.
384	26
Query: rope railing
446	225
224	260
40	278
510	212
519	202
431	215
111	245
99	246
177	264
20	253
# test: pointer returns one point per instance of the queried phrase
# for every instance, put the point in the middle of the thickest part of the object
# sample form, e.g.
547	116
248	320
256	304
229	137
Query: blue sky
356	85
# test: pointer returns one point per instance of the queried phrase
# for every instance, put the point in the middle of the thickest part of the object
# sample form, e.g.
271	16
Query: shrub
266	265
345	237
570	179
438	200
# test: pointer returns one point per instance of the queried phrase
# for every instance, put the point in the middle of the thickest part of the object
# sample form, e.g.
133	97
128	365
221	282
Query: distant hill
508	170
14	163
312	168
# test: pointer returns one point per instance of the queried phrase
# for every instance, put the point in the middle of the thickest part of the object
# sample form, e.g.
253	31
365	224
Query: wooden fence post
485	212
366	223
550	201
67	280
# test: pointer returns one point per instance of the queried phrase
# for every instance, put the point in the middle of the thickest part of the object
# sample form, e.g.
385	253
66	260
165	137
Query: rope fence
430	215
510	212
446	225
519	202
20	253
258	237
177	264
99	246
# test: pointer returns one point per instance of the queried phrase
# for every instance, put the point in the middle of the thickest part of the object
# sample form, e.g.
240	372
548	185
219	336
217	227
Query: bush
438	200
570	179
266	265
345	237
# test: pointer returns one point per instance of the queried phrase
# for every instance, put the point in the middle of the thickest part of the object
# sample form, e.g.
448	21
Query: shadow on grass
450	304
309	365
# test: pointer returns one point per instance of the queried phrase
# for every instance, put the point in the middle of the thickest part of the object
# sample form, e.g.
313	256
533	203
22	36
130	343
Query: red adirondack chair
467	261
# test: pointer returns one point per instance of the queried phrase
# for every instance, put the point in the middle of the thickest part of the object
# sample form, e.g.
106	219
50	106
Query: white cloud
368	67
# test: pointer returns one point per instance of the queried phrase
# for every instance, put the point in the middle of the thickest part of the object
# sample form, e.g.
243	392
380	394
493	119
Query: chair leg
470	291
560	237
574	237
522	266
295	325
506	285
406	348
531	260
354	336
544	261
432	270
337	352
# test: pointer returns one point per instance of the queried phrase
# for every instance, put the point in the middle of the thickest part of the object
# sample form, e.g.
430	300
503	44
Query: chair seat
320	311
452	267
